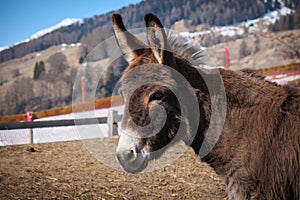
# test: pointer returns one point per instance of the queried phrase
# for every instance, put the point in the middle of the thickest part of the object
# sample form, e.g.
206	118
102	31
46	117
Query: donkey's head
151	91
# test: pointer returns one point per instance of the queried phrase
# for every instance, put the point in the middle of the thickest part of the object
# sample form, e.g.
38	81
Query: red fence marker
226	57
82	89
29	116
275	75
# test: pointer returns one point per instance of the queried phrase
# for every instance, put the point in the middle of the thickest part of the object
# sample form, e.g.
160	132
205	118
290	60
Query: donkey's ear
157	40
130	46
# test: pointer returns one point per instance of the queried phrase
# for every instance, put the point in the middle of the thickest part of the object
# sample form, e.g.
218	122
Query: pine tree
38	69
81	60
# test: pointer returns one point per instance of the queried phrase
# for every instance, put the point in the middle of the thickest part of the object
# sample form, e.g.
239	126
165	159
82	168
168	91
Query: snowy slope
259	24
269	18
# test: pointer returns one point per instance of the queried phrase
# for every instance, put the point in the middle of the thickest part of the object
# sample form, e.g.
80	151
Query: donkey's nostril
130	154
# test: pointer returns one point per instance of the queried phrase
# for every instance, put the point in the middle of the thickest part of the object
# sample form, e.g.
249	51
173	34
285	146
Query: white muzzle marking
130	156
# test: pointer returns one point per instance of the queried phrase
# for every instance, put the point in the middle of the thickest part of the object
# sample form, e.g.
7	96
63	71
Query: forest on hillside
210	12
47	89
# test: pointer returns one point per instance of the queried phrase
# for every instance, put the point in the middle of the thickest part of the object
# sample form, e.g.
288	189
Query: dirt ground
66	170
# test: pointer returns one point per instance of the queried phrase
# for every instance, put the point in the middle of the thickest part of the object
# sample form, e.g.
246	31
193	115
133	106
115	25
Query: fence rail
294	67
98	104
111	120
51	123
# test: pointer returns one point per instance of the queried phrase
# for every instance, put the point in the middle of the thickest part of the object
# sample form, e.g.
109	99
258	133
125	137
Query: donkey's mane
195	55
184	49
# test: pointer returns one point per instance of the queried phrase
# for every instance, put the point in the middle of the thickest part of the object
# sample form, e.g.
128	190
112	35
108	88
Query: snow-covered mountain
3	48
63	23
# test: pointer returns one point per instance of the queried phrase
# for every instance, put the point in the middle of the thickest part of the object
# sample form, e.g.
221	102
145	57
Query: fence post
30	136
29	119
112	122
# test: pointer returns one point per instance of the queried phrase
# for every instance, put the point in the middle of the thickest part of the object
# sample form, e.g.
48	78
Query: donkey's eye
156	96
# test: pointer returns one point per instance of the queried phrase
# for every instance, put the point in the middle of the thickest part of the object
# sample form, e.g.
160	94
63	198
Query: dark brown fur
258	153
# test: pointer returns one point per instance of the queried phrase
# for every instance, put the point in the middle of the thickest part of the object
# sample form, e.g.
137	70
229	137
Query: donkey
257	153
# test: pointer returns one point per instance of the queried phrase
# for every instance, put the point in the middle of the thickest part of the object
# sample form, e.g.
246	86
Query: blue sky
19	19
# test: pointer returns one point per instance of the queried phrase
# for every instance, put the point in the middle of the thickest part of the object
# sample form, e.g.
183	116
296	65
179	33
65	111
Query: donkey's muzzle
130	156
131	161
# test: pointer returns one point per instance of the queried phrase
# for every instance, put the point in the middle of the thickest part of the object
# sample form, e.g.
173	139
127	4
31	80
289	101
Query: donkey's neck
245	90
251	102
